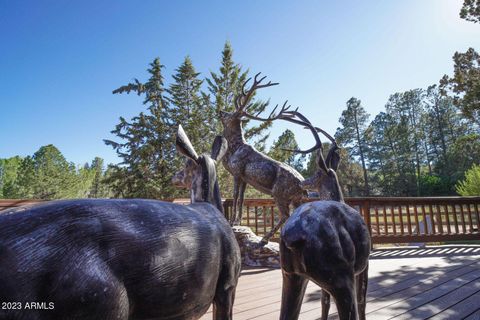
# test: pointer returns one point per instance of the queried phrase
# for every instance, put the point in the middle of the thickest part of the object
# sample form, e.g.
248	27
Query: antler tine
244	85
282	114
244	97
255	81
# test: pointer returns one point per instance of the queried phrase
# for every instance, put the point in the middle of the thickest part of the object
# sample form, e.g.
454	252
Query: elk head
199	173
325	179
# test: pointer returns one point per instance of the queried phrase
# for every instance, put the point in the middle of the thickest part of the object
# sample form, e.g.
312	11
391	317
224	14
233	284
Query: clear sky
60	60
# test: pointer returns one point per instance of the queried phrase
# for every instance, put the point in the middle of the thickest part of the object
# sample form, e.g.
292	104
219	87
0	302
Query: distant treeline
425	142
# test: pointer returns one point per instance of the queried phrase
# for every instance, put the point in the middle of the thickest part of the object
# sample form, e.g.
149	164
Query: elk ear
333	158
219	148
184	146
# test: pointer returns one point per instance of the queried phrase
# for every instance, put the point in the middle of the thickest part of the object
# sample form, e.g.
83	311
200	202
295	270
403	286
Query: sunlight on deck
405	283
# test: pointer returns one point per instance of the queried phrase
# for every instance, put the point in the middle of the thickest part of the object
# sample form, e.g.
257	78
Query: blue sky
60	60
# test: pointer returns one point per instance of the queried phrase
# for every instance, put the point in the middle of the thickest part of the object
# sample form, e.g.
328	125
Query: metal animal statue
123	259
248	165
326	242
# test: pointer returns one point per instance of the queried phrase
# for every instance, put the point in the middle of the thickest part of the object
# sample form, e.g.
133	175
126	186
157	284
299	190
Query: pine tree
465	84
188	107
224	86
98	187
287	141
351	134
47	175
8	177
147	149
470	10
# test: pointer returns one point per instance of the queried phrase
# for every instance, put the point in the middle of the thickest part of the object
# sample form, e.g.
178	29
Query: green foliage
287	141
432	185
465	83
470	186
224	86
352	134
461	155
8	176
470	10
147	143
48	175
95	177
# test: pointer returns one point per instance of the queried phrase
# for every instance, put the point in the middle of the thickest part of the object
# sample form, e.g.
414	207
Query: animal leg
241	193
344	295
325	304
293	290
225	292
234	217
361	284
223	304
284	214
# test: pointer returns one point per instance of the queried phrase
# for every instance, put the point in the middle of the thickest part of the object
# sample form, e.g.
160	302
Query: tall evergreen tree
147	148
465	84
189	108
409	110
351	134
224	86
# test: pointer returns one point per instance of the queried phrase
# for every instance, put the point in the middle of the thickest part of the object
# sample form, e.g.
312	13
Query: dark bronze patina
248	165
123	259
326	242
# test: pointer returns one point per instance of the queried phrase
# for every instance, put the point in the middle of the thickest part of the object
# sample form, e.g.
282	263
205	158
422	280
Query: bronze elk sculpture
326	242
248	165
123	259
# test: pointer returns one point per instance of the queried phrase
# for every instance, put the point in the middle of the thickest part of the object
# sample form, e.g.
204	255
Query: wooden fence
390	220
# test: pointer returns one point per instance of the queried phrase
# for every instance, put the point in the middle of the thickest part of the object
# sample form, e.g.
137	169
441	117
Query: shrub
470	186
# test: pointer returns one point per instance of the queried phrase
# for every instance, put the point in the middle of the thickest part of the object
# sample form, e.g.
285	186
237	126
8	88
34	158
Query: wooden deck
441	282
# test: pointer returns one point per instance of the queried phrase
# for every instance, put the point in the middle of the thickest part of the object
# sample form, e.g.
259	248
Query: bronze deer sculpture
123	259
247	165
326	242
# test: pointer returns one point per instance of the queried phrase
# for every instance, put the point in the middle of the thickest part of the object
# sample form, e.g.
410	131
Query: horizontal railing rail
390	220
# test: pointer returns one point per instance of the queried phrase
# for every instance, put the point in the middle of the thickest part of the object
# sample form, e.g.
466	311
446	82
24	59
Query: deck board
404	283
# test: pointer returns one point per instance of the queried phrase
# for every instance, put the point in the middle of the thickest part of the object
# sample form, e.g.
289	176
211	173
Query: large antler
242	100
284	113
298	118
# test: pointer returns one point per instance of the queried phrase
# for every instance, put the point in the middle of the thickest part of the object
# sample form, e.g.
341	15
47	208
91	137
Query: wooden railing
13	203
390	220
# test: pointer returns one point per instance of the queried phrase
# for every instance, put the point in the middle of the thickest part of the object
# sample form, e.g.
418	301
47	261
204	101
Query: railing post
366	217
